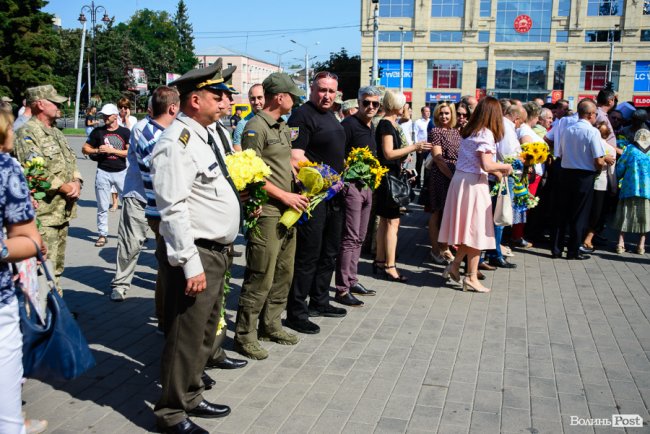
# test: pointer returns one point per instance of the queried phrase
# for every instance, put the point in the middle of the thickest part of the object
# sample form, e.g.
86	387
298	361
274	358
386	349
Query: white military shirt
193	196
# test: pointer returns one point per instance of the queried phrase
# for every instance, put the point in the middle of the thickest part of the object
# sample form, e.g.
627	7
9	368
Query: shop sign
585	96
390	73
480	93
523	24
641	100
642	77
442	96
556	95
408	95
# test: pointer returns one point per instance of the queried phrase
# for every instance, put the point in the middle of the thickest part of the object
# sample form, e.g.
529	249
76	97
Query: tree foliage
186	59
347	68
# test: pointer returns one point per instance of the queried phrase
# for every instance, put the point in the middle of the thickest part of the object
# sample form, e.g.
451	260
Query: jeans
11	360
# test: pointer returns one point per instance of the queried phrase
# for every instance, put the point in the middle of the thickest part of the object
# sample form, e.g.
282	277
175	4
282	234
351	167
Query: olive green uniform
270	254
35	139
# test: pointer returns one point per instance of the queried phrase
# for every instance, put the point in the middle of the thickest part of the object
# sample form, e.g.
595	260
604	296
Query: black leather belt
212	245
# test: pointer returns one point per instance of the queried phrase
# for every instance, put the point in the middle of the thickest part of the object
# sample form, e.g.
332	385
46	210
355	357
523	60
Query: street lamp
93	10
306	62
611	52
279	57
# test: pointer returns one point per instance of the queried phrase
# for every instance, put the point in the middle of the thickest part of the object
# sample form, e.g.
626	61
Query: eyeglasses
366	103
325	74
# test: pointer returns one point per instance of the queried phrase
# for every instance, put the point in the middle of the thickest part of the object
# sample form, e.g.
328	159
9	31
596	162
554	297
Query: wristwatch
4	252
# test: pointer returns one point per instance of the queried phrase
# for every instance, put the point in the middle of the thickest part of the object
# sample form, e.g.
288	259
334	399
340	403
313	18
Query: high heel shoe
467	285
376	266
447	273
392	278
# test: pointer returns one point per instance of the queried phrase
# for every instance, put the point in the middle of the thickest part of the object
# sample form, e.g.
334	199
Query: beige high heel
447	273
467	285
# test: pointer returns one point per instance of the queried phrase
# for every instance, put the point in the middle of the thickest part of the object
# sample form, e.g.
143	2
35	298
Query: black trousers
572	214
419	160
318	243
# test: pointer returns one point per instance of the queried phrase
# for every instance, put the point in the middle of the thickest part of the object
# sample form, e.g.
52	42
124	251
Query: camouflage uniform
35	139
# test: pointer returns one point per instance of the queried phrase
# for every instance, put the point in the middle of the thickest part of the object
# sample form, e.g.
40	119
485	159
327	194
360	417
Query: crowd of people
170	171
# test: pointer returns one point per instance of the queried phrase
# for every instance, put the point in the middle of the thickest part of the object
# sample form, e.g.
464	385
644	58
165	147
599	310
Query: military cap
46	91
213	77
349	104
5	99
280	82
339	97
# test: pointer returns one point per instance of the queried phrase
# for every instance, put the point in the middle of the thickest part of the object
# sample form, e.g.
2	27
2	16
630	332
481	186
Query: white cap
109	109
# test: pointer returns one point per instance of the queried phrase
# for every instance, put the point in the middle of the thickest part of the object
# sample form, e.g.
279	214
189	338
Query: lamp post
374	80
401	60
279	57
306	62
93	10
611	53
79	75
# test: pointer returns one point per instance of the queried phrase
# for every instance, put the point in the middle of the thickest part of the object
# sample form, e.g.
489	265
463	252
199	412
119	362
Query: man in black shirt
108	145
359	133
316	136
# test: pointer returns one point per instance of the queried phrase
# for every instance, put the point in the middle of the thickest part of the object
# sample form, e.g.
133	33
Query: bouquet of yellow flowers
319	183
362	166
249	172
37	182
534	153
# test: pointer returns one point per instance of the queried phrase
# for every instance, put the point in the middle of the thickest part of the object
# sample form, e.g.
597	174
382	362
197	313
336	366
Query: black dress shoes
302	326
209	410
359	289
328	311
208	382
585	250
227	363
578	257
185	427
501	263
348	299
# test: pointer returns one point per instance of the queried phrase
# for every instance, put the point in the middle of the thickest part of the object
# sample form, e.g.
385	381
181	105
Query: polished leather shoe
486	267
585	250
227	363
328	311
302	326
186	426
578	257
208	382
501	263
359	289
348	299
209	410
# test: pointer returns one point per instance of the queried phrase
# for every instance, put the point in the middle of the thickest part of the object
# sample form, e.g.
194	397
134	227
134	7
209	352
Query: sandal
620	249
101	241
388	276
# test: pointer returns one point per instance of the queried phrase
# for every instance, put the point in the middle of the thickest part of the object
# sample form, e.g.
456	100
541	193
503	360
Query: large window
602	35
520	75
481	74
593	75
395	36
558	75
604	7
446	37
539	10
447	8
396	8
444	74
562	36
486	8
563	8
484	36
645	35
646	7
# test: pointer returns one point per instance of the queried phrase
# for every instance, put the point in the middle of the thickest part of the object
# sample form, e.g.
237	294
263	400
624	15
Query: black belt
213	245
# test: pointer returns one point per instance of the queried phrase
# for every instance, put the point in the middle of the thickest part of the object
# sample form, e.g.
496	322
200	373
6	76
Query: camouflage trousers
55	238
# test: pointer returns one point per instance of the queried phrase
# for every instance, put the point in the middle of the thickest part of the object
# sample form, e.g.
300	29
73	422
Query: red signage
585	96
641	100
523	24
556	95
408	95
480	93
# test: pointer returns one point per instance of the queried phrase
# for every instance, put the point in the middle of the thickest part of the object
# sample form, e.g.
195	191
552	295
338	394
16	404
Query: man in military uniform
39	137
200	218
270	255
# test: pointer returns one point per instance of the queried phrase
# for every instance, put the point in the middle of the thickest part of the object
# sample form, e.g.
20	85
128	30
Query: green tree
185	55
347	68
67	61
28	46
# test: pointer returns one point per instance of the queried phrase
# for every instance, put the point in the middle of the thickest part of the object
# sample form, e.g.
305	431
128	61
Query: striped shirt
143	148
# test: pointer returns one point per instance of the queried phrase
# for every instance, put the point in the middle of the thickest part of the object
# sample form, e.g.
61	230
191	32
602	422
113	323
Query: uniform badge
295	132
250	133
184	137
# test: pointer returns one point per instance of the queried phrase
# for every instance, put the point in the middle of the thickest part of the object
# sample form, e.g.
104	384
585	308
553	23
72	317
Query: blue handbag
55	349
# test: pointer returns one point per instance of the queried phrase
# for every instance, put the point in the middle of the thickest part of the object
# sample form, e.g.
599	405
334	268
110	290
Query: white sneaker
118	295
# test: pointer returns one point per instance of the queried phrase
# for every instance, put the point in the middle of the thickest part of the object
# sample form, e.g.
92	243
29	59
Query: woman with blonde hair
392	149
467	217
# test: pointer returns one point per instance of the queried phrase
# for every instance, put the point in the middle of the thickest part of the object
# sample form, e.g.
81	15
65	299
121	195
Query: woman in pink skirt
467	217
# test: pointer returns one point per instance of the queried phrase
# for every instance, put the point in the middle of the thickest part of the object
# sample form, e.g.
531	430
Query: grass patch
74	131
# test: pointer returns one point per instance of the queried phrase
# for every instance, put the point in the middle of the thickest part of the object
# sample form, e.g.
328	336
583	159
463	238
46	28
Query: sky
249	26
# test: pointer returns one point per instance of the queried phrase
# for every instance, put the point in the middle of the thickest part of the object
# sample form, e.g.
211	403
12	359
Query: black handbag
56	349
398	191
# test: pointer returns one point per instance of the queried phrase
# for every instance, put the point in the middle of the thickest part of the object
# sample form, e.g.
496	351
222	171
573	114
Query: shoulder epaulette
184	137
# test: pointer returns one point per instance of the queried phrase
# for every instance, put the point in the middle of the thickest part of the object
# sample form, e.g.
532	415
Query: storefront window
602	35
539	10
396	8
446	36
481	74
395	36
604	7
447	8
593	75
445	74
558	75
520	75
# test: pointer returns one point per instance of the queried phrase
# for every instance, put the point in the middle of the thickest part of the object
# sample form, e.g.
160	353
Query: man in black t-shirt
317	136
108	146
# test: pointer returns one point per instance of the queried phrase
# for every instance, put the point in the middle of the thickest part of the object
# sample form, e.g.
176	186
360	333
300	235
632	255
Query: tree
66	65
347	68
28	47
185	56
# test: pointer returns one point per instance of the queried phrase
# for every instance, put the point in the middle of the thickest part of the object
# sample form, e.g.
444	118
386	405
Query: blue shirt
15	207
143	148
580	145
133	185
239	129
633	169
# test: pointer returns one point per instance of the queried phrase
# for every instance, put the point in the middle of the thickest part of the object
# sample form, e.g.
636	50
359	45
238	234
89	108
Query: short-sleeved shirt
319	134
580	145
118	139
468	159
358	135
15	207
271	140
386	128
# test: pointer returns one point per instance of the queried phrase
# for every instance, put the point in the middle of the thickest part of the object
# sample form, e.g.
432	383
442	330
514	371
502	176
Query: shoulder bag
503	208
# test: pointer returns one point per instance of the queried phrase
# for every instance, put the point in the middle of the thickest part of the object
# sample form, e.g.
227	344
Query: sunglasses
325	74
366	103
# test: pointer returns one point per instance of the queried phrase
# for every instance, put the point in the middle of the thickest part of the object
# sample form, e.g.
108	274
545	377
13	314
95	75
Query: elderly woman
392	149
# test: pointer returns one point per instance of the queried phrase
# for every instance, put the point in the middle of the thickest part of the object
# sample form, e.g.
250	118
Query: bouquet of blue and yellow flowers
249	172
319	183
34	171
362	166
534	153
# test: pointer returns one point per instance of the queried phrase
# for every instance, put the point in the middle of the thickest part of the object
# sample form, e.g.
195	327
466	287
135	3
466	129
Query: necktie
224	170
223	138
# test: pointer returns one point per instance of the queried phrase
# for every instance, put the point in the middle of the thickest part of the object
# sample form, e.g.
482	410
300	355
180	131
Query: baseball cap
339	97
109	109
47	92
280	82
5	99
349	104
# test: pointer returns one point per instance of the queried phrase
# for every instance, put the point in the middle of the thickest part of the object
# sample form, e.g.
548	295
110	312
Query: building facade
510	48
